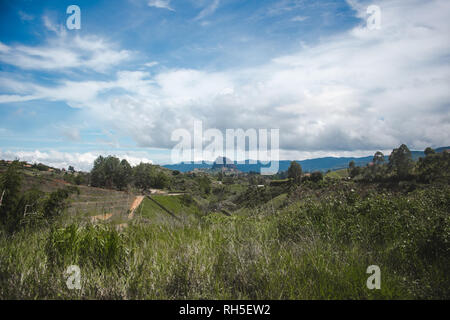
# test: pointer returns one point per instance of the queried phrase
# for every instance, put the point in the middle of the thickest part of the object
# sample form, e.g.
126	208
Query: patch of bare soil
136	203
101	217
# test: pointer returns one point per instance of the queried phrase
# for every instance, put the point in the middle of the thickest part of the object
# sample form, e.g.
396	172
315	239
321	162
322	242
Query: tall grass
308	249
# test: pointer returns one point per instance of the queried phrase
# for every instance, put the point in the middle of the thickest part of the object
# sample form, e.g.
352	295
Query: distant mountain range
309	165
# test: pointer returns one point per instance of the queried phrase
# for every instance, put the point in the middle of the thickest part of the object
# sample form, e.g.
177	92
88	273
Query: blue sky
137	70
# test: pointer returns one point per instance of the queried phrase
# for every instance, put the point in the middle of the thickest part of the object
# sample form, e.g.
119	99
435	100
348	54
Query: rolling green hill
175	204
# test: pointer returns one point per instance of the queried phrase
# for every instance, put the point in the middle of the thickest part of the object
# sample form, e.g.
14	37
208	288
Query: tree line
399	167
434	167
111	172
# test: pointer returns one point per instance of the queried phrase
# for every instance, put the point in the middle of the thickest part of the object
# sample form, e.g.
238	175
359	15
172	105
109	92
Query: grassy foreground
316	248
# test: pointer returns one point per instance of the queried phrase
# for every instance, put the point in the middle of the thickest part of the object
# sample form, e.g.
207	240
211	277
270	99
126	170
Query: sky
137	70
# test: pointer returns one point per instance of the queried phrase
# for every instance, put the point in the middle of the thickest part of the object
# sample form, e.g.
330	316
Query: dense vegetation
308	236
111	172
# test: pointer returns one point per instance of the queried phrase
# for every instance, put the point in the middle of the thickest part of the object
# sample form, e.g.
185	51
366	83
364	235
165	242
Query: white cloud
71	133
299	18
151	64
4	48
208	10
80	161
358	91
58	29
62	52
162	4
25	16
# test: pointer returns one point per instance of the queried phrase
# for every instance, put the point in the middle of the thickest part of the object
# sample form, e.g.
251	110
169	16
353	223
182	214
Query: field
338	174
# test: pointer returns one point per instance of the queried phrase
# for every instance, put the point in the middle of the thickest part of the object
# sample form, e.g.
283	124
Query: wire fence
98	205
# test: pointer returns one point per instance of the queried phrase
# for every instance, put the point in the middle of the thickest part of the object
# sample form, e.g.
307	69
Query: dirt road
134	206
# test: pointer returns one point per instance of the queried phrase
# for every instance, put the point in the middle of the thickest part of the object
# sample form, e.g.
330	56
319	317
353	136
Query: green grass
176	205
278	201
313	248
150	210
337	174
237	188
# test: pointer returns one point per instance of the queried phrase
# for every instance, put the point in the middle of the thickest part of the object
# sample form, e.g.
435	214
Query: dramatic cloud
358	91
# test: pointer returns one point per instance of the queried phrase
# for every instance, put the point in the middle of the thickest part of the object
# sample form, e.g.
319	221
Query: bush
10	184
98	246
56	203
187	199
316	176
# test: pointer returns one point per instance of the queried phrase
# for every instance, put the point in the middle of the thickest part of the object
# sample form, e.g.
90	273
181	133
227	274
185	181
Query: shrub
99	246
187	199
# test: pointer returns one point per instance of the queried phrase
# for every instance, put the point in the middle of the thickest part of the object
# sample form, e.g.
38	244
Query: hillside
317	164
216	236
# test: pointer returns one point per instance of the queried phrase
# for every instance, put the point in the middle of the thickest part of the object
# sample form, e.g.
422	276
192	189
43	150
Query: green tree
295	172
123	175
81	178
353	170
351	164
429	151
204	184
110	172
160	180
143	175
10	183
378	158
316	176
98	173
111	168
400	161
55	204
433	167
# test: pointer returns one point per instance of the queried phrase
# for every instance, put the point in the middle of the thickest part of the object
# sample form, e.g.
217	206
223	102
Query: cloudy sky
139	69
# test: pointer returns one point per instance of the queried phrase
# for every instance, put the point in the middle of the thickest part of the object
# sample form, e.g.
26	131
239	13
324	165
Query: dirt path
136	203
160	192
134	206
157	191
